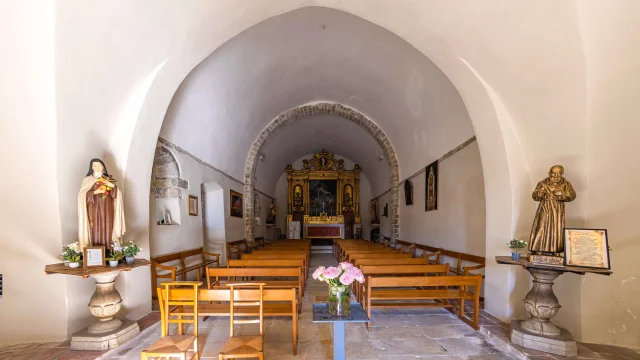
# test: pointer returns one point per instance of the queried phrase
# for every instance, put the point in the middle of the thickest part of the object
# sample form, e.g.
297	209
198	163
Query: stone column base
84	340
562	344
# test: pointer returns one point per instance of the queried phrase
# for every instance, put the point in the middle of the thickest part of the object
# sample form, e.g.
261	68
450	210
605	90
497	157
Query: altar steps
315	249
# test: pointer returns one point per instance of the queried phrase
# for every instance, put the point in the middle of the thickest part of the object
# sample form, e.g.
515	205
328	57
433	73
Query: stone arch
165	175
322	108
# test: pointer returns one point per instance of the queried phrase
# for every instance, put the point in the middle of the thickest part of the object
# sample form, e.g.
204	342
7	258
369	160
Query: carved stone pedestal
109	332
538	332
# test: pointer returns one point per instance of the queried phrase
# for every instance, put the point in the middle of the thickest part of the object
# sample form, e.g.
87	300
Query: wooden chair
176	345
246	346
279	234
358	233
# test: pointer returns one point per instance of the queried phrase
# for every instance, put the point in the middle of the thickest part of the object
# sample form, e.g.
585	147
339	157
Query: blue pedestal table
321	315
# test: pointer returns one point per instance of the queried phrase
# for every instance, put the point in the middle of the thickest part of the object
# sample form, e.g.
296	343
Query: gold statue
552	192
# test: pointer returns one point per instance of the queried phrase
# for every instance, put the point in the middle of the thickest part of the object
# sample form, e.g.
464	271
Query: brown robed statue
552	192
100	208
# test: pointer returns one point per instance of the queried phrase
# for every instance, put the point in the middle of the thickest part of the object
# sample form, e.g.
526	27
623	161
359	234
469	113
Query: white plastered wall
459	223
30	219
191	233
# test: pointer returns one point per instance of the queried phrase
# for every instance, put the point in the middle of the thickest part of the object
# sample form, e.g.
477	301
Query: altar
324	197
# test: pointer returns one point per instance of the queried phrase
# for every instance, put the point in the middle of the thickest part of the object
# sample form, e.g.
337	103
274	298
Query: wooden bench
277	302
217	277
296	263
161	271
387	261
237	247
396	255
387	290
280	256
395	270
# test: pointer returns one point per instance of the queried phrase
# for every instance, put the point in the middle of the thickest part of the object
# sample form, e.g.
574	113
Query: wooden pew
393	261
396	255
277	302
215	277
190	260
296	263
395	270
237	247
400	288
280	256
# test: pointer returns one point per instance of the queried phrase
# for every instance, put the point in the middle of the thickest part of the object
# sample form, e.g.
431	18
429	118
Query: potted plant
115	257
339	279
72	254
130	251
516	245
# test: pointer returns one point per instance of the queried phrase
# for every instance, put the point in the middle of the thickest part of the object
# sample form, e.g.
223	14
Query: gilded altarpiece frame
323	166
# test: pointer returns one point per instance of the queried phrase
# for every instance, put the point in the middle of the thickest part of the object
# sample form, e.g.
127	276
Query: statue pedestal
109	332
538	332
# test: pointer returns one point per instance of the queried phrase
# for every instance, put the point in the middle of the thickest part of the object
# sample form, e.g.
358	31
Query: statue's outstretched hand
98	191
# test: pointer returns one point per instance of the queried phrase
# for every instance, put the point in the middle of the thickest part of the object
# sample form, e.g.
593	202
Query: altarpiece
324	196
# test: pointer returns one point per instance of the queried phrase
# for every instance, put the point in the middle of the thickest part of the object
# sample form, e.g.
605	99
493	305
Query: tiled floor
396	334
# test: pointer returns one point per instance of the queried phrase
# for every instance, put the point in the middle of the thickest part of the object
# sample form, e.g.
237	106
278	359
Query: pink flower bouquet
342	275
339	279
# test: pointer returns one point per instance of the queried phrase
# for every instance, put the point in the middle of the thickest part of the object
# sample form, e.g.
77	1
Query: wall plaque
586	248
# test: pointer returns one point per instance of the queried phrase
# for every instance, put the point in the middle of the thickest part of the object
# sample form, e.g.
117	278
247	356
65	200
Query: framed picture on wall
236	204
431	193
586	248
193	205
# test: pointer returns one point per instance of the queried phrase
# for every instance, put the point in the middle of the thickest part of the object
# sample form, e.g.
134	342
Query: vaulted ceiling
316	54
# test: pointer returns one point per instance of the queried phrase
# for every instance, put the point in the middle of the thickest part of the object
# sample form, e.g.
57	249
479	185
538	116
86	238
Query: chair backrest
167	302
233	302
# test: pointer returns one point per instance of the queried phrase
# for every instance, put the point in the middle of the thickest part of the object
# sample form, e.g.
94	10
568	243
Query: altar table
321	314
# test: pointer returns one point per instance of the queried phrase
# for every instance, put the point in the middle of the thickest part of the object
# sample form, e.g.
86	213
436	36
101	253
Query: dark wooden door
349	221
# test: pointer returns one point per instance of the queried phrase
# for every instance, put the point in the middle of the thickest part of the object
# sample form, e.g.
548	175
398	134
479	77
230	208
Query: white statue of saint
100	208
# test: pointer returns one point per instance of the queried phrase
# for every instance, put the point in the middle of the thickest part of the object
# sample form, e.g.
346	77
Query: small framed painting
586	248
93	256
431	193
236	204
193	205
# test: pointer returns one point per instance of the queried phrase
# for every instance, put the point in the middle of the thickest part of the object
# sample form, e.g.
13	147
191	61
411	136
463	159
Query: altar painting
323	195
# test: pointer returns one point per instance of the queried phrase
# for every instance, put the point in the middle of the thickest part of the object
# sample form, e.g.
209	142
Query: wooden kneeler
249	345
176	345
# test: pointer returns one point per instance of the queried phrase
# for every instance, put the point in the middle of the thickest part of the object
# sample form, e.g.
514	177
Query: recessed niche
168	210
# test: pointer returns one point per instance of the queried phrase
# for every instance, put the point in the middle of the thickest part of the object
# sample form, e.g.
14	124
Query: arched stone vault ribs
316	109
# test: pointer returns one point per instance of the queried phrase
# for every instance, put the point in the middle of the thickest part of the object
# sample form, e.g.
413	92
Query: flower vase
113	263
515	255
339	304
74	265
129	260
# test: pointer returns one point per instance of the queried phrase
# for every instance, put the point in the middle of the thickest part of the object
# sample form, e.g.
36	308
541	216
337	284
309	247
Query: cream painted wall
610	305
191	234
282	188
31	235
459	222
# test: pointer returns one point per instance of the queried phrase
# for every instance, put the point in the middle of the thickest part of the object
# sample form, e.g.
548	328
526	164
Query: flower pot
515	255
113	263
129	260
66	262
74	265
339	301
